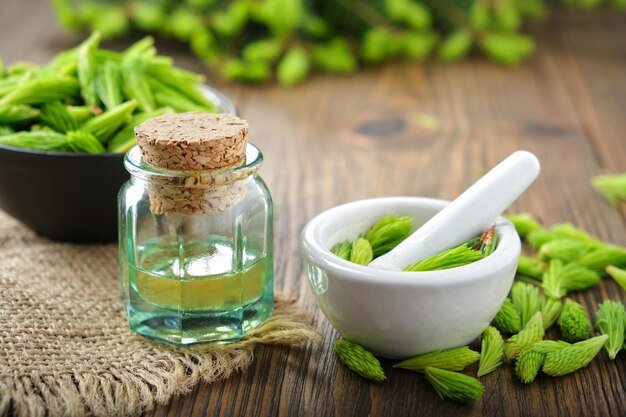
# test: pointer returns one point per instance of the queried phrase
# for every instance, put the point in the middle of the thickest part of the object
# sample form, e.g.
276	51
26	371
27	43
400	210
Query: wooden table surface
338	139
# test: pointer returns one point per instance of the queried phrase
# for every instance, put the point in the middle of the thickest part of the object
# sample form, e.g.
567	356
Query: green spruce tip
531	359
611	322
508	319
528	364
569	231
574	357
550	311
359	360
530	267
361	252
573	322
552	280
455	359
576	277
566	250
526	299
451	258
524	224
531	333
454	385
343	249
618	274
598	258
491	351
388	232
612	187
536	238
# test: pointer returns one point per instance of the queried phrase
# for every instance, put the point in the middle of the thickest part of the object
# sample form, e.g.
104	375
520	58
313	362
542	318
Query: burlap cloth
65	347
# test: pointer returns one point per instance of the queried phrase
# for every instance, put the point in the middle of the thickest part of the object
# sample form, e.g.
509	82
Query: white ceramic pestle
468	215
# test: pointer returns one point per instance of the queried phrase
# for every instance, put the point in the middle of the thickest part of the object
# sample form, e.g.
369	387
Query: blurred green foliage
261	40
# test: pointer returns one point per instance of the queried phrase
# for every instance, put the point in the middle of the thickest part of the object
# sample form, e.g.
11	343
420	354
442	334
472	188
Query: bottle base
173	328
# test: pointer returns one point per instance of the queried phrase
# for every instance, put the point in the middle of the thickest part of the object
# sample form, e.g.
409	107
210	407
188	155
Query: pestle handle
468	215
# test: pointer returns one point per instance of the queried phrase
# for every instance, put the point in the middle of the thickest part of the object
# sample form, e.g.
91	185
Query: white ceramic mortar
401	314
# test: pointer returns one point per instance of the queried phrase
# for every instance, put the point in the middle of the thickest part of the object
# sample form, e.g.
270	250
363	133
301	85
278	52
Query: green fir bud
566	250
451	359
254	72
451	258
573	322
455	46
528	364
611	322
561	279
148	16
454	385
343	249
600	257
84	142
415	15
491	351
416	45
361	252
507	48
56	116
569	231
524	224
508	319
550	311
576	278
388	232
525	297
531	359
86	68
531	267
552	280
42	90
359	360
574	357
133	70
612	187
266	50
376	45
531	333
294	67
39	140
537	238
106	124
183	23
334	56
618	274
107	19
17	114
109	84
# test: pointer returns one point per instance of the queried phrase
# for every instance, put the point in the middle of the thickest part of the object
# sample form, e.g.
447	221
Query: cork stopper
193	141
205	147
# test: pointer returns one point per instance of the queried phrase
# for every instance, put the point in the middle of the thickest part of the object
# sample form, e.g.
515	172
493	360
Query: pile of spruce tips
89	100
565	259
287	40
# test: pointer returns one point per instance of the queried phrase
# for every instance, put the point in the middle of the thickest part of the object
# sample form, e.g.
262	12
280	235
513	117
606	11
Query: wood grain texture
338	139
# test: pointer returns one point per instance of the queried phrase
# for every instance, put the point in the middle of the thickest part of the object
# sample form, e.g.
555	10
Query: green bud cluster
89	100
531	333
286	40
359	360
491	351
573	322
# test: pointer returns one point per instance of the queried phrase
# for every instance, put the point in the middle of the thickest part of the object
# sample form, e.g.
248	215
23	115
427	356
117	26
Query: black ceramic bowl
69	196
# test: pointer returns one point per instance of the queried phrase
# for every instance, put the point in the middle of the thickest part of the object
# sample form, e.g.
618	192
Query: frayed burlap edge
134	391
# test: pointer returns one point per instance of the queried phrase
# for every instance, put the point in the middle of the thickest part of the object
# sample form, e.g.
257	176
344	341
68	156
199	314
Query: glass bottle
201	271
